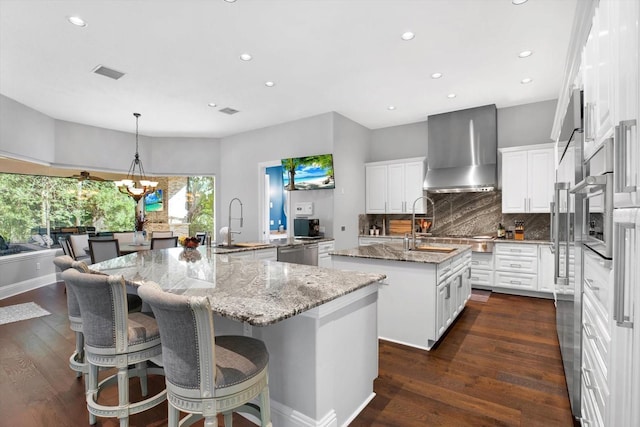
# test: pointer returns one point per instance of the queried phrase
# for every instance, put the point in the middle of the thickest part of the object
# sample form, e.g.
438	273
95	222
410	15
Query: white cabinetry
481	269
516	266
270	254
545	268
528	174
324	259
392	186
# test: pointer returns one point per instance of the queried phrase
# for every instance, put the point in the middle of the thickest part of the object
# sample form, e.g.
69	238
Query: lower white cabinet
481	269
270	254
324	259
516	266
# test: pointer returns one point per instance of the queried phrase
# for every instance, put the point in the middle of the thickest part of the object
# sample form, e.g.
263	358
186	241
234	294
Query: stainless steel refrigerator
567	219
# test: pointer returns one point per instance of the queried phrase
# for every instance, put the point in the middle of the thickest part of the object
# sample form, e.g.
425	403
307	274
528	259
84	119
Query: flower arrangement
189	242
140	222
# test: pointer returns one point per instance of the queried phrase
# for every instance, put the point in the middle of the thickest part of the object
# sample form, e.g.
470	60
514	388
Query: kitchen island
424	292
318	324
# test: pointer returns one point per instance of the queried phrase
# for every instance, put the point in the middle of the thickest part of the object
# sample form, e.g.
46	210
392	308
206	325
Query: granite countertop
395	252
278	243
258	292
399	237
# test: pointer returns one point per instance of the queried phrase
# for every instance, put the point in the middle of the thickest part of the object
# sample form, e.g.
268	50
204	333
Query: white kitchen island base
423	293
322	362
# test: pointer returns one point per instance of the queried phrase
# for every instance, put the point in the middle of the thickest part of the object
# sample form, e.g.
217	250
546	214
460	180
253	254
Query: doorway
274	202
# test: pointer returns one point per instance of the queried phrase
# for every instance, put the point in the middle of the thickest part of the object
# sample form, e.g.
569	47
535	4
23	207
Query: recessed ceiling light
76	20
518	2
212	104
526	80
524	54
408	36
436	75
391	107
269	84
245	57
233	1
451	95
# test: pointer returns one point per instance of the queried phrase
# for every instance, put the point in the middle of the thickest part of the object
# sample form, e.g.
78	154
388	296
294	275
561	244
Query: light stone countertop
393	251
399	237
278	243
258	292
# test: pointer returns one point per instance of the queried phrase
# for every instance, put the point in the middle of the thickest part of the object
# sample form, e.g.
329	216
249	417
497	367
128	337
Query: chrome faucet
413	217
230	233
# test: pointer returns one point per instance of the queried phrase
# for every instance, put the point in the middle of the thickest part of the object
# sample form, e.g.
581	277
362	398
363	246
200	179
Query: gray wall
185	156
351	142
398	142
526	124
25	133
241	154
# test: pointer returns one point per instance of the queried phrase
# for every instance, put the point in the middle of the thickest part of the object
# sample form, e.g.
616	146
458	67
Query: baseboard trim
27	285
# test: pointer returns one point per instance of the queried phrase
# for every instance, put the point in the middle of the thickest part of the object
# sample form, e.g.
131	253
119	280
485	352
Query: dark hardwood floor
499	365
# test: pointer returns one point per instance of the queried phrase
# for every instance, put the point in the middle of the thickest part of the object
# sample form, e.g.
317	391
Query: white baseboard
282	415
360	409
27	285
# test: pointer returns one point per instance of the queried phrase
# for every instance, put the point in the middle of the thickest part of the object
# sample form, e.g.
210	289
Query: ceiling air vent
108	72
229	111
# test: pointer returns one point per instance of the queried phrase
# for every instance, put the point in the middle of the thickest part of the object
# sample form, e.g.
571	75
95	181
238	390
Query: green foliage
200	204
29	202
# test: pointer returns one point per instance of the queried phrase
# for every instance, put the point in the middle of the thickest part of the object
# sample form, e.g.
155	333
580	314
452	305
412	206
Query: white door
413	186
540	180
376	188
514	182
395	189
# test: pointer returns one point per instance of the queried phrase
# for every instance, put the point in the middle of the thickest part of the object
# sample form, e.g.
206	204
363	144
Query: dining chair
126	237
164	242
115	338
207	374
66	247
157	234
103	249
78	244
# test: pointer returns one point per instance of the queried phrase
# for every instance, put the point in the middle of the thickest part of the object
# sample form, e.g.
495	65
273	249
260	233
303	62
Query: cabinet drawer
325	247
517	264
598	278
594	381
526	249
596	329
444	270
481	277
481	261
460	262
516	280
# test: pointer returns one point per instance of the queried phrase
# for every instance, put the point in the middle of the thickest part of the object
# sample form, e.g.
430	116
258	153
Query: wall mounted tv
153	201
308	173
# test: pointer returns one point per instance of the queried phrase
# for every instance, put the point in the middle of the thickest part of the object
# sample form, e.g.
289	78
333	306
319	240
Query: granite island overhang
318	324
424	292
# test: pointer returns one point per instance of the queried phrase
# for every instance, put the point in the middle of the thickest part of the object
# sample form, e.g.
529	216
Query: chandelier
138	187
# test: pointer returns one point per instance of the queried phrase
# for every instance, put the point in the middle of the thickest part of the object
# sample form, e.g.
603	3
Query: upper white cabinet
392	186
527	178
598	80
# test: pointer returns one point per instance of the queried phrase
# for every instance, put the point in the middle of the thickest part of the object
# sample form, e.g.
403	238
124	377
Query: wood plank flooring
499	365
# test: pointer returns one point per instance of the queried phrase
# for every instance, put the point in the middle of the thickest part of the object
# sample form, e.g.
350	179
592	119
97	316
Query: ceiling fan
84	176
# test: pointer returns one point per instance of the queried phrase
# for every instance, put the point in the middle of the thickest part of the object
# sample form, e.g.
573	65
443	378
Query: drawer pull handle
474	278
589	282
516	265
515	250
588	332
515	282
475	262
588	381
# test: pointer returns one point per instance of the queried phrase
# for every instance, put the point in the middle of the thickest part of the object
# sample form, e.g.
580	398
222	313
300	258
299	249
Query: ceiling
345	56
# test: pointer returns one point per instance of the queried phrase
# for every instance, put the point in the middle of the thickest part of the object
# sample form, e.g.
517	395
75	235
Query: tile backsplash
469	214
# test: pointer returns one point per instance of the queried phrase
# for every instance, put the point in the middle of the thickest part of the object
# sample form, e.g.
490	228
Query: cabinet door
604	119
395	189
443	307
514	182
376	188
545	269
540	180
413	186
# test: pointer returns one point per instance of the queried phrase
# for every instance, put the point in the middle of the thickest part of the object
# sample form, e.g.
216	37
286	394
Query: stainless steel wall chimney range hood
462	151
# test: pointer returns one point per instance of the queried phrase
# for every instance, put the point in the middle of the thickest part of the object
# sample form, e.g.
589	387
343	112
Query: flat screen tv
308	173
153	201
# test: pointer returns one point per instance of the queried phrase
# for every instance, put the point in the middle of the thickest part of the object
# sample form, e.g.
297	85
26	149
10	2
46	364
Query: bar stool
206	375
115	339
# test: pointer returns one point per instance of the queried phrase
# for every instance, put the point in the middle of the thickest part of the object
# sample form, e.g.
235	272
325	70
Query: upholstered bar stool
115	338
164	242
207	375
76	361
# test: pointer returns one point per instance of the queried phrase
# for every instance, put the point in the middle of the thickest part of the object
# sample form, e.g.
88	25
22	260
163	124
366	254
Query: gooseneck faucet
230	234
413	217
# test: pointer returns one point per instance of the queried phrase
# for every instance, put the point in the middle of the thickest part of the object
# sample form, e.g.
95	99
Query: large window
33	204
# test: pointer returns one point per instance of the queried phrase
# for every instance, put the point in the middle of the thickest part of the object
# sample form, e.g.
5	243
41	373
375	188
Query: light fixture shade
136	185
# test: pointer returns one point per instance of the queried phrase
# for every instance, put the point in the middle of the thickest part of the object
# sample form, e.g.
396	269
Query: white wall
25	133
185	156
239	158
351	146
398	142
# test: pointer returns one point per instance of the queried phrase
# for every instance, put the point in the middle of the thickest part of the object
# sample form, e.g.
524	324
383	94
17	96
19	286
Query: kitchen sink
442	249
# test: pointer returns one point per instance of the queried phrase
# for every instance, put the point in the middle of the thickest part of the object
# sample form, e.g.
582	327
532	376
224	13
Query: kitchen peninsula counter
319	325
423	293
